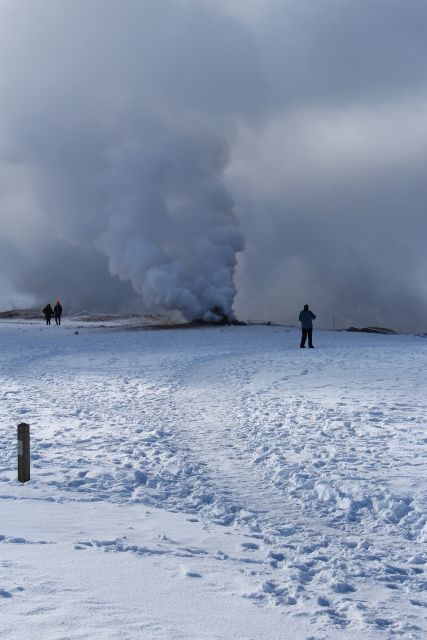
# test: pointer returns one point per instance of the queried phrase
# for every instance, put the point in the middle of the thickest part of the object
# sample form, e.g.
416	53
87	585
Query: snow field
296	480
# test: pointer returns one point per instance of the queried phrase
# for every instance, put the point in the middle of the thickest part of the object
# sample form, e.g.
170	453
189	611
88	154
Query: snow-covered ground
212	484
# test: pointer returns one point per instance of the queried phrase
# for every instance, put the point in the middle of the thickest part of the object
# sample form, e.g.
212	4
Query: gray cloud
140	140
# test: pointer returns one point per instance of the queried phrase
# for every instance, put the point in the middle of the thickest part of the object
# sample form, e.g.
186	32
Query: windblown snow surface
212	484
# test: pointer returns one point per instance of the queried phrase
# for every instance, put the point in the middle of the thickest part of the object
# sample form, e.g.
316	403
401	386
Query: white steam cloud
116	162
172	230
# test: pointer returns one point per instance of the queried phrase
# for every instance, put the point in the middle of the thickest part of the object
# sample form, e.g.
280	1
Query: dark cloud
340	50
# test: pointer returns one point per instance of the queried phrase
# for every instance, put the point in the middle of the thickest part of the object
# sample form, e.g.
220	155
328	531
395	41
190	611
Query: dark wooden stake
23	452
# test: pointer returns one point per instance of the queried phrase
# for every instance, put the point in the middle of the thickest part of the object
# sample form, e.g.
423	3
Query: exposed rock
27	314
382	330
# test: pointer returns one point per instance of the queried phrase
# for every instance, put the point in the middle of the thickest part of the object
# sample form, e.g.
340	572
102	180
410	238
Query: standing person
306	318
48	313
57	312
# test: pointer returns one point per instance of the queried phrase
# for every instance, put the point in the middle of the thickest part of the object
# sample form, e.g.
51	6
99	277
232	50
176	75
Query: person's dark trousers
47	320
58	319
307	333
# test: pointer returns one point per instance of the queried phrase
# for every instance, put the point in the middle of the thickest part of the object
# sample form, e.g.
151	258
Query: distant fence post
23	452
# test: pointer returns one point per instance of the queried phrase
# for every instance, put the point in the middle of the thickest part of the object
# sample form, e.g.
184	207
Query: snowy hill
213	483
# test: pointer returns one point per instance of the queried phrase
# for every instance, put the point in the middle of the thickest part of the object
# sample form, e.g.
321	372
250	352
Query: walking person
57	312
48	313
306	318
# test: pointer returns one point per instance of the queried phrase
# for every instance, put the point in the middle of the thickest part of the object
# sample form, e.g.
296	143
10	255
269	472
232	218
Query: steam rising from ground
113	161
171	227
141	141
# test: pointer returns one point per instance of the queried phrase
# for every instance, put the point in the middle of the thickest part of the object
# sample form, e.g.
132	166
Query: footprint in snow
249	546
342	587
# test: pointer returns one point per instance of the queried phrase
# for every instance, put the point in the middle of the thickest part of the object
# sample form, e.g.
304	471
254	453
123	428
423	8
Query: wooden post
23	452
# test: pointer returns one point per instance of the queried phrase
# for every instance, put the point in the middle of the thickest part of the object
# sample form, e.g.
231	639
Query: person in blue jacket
306	318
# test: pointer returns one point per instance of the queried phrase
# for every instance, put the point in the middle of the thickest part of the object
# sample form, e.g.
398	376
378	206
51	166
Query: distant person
57	312
306	318
48	313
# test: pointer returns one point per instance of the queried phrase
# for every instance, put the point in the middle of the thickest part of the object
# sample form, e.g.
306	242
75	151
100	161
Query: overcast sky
195	154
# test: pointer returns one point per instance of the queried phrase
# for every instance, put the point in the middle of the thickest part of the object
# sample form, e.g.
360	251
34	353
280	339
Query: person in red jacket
57	312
